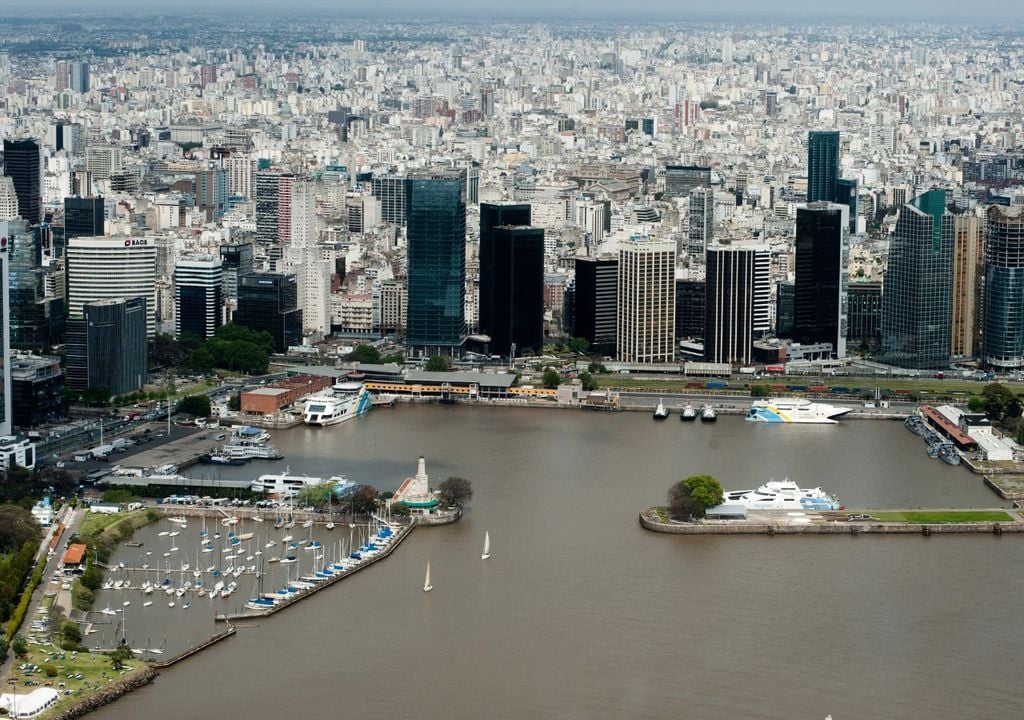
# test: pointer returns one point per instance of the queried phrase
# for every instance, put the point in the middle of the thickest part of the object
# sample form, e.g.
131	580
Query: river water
582	614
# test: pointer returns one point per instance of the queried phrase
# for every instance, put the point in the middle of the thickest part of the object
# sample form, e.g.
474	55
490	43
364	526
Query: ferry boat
794	410
782	495
688	414
349	400
249	451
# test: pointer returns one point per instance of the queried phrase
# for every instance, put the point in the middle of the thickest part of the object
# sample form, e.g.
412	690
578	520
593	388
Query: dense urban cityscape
269	224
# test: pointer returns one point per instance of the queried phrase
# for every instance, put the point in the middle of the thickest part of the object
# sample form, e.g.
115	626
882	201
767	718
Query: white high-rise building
647	301
702	221
8	199
105	268
241	176
303	214
590	219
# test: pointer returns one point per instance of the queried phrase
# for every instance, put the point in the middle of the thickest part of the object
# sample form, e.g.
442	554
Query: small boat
660	412
688	414
147	603
948	454
708	414
487	546
427	587
329	526
170	604
307	524
289	560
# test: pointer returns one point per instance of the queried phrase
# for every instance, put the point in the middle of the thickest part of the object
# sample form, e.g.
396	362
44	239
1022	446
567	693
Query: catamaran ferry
794	410
349	400
782	495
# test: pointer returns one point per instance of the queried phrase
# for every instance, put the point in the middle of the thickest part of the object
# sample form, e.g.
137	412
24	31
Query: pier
213	640
773	523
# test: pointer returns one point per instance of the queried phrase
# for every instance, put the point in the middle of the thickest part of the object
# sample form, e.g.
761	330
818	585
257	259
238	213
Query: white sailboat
487	546
427	587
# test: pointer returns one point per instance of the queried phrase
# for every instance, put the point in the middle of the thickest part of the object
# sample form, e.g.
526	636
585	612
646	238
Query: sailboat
427	587
487	546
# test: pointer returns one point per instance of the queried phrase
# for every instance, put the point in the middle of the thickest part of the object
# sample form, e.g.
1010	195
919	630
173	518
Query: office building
236	260
733	302
22	164
79	76
968	278
83	216
681	179
106	345
916	302
702	221
393	193
864	326
436	231
822	165
36	317
1003	332
822	277
8	199
5	341
269	301
847	190
689	309
516	285
37	391
198	296
493	216
647	301
103	268
273	207
212	192
595	302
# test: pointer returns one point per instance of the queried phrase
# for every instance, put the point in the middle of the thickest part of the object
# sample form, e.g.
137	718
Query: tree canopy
998	402
316	496
455	491
691	497
17	527
552	378
365	354
198	405
438	364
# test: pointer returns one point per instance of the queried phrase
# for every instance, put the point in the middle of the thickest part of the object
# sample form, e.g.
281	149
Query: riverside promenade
780	522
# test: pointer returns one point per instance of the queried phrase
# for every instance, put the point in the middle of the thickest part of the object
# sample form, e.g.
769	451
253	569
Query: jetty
916	522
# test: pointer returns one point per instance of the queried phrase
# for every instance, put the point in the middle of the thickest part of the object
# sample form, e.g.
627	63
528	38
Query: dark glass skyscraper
436	229
491	217
269	301
517	285
822	277
83	217
865	316
822	165
846	194
596	302
36	321
1003	334
917	292
22	165
106	347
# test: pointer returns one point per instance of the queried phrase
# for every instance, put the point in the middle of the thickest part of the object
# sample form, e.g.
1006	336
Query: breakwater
745	527
196	648
107	694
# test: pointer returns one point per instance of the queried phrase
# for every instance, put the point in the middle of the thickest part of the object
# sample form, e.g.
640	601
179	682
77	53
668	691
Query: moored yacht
660	412
782	495
708	414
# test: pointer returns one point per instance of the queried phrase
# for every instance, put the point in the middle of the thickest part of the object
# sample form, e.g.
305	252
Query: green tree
1000	402
17	526
759	391
18	646
71	635
977	404
316	495
587	381
96	397
396	357
579	345
552	378
691	497
455	491
235	402
400	508
365	354
92	578
438	364
201	360
197	405
121	655
1019	435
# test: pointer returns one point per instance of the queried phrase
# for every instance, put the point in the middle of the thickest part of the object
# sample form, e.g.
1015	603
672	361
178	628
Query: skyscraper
491	217
820	290
212	192
847	194
865	316
106	346
267	202
5	343
236	260
916	307
107	268
680	179
198	296
436	230
647	301
83	216
1003	334
22	165
36	318
702	221
8	199
393	193
595	302
968	278
822	165
80	76
516	285
732	306
269	301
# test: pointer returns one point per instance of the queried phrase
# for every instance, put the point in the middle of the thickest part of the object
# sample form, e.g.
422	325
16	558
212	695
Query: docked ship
708	414
660	412
348	400
782	495
688	414
794	410
915	424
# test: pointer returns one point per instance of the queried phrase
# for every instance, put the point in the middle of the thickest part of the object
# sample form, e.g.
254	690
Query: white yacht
782	495
348	400
794	410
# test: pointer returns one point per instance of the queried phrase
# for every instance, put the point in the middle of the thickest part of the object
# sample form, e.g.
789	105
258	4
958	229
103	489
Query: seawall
107	694
742	527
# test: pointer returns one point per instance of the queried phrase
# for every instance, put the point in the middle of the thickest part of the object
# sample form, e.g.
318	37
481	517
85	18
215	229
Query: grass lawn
95	669
97	522
943	516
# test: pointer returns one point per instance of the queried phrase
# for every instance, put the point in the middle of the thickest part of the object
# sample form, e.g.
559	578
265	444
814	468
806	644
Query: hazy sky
1011	11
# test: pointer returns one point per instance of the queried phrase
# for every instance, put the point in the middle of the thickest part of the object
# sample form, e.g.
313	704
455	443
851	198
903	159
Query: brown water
582	614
